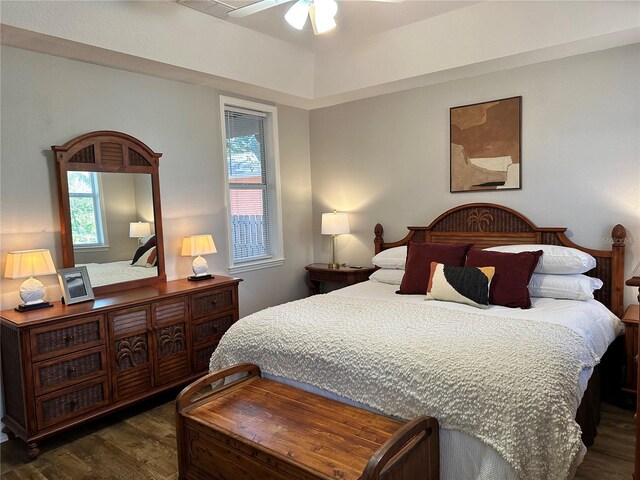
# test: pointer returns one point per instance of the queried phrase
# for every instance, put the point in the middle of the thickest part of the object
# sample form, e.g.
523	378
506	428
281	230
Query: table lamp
139	230
195	246
27	264
334	224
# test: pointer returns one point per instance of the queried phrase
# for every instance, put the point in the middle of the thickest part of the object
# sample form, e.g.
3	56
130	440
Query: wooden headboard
488	225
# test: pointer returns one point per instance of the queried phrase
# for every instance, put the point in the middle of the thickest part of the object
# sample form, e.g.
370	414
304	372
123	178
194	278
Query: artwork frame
485	146
75	285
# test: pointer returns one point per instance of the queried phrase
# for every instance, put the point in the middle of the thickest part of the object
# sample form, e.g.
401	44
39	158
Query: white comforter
115	272
513	383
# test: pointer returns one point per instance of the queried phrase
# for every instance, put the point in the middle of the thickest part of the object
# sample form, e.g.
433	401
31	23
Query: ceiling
356	19
376	49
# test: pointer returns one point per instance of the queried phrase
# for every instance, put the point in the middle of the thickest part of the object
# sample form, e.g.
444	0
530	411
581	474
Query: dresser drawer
208	329
71	402
170	312
211	302
67	337
130	321
202	355
68	370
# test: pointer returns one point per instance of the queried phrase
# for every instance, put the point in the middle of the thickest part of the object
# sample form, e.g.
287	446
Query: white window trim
277	257
104	246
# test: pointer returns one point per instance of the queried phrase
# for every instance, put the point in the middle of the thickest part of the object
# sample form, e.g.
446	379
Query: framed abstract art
485	149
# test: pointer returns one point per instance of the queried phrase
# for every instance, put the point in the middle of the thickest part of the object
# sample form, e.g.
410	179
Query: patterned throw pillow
148	259
468	285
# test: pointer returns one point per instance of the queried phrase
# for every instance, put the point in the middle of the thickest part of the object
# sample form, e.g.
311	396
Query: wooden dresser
66	365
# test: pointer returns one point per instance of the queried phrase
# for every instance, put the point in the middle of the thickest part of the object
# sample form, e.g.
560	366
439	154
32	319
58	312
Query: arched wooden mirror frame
110	152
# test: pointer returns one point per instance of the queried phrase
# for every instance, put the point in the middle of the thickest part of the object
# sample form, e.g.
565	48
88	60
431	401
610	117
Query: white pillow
391	258
570	287
387	275
555	260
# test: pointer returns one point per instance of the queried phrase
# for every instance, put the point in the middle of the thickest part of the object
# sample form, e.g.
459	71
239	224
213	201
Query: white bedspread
115	272
513	383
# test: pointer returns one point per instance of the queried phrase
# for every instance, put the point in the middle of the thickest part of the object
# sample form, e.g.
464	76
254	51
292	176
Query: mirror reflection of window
87	218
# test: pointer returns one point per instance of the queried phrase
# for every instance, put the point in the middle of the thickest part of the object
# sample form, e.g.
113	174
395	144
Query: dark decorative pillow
468	285
418	265
509	286
142	249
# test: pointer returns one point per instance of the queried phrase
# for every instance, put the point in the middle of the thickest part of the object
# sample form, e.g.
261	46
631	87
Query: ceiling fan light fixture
322	15
296	16
322	24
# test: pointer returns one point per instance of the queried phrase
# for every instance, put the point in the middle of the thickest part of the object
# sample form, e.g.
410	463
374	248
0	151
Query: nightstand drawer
64	371
211	302
67	337
72	402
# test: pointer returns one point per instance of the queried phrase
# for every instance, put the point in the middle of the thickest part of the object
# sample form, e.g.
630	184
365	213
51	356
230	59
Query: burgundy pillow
419	258
509	286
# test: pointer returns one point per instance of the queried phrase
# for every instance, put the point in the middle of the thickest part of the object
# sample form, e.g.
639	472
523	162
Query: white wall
48	100
386	159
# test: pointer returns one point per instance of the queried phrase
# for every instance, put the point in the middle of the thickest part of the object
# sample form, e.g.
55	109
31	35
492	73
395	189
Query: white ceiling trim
167	40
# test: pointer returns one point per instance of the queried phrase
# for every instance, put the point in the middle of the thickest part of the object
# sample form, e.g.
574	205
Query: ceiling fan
321	12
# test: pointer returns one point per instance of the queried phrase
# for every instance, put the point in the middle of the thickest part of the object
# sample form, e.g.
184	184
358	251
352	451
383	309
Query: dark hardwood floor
139	444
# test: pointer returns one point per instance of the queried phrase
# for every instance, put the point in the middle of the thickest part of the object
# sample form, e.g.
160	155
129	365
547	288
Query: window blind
248	180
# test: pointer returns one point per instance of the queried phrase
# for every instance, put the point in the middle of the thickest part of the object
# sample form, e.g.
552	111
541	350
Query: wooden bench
254	428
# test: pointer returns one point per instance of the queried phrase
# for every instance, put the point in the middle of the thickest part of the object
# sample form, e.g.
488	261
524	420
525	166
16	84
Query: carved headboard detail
488	225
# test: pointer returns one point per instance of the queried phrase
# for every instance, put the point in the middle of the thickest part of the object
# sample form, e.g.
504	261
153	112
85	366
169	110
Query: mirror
110	210
102	207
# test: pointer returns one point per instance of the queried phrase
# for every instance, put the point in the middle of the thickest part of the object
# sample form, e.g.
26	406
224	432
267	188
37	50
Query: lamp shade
139	229
335	223
198	245
29	263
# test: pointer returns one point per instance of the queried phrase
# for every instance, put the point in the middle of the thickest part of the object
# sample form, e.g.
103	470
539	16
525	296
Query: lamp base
35	306
197	278
334	265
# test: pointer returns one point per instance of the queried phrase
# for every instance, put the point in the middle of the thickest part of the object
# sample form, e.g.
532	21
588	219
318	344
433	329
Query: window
253	194
85	204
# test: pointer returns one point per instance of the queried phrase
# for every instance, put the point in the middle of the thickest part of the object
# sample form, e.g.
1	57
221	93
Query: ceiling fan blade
255	7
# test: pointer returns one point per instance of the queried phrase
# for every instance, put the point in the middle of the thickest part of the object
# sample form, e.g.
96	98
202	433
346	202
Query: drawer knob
71	370
635	359
68	338
73	405
214	302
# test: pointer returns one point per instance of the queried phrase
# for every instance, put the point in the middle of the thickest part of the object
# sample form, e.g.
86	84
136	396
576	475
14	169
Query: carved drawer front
201	356
211	329
211	302
67	337
71	402
68	370
130	320
170	312
173	358
132	366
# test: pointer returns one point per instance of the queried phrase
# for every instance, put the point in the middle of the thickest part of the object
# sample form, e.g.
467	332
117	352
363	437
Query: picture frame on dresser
75	285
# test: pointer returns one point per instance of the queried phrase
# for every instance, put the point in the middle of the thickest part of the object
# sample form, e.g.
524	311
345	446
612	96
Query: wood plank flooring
139	444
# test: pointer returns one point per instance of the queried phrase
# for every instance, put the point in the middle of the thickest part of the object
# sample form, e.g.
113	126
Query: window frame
99	215
272	162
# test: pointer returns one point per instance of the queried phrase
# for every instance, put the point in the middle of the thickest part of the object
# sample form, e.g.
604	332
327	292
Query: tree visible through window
84	204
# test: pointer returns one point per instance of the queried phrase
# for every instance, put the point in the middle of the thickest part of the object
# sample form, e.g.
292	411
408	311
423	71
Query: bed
115	272
507	385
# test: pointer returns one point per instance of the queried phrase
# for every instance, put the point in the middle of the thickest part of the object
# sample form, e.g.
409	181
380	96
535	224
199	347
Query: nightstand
630	319
319	273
